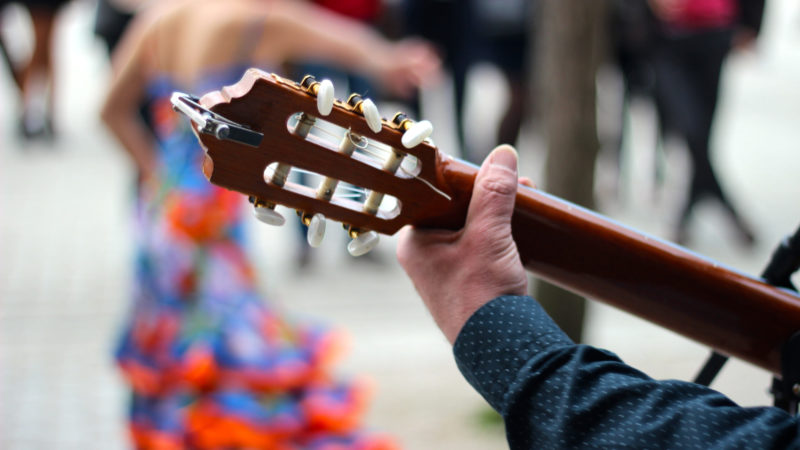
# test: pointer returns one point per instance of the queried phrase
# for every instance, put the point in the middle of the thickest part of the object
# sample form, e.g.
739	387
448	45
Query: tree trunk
569	43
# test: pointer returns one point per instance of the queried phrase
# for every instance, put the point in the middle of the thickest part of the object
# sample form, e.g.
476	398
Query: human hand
408	65
457	272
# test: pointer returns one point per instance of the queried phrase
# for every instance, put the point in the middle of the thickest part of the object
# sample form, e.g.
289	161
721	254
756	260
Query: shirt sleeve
553	393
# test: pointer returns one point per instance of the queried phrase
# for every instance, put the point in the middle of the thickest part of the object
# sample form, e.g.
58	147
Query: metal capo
212	123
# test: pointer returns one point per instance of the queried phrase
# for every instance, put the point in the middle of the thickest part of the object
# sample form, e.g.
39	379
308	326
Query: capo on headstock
212	123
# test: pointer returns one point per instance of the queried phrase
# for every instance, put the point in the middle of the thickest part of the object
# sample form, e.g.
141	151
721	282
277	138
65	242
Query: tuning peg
323	90
368	109
363	242
268	215
325	97
417	133
372	115
316	229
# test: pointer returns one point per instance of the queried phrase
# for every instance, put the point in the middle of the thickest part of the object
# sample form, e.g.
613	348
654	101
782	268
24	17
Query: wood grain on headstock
577	249
264	102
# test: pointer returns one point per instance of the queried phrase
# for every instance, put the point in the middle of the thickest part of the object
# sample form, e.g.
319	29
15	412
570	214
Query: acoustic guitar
264	127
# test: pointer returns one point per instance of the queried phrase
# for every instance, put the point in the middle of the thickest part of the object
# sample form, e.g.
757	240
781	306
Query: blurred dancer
211	365
695	36
35	79
366	12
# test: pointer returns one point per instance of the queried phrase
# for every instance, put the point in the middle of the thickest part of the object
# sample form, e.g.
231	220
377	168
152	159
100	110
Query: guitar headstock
367	172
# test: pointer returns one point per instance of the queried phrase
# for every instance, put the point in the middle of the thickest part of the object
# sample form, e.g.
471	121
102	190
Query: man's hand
457	272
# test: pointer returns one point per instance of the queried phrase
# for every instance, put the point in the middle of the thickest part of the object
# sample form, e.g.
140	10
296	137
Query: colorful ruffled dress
211	365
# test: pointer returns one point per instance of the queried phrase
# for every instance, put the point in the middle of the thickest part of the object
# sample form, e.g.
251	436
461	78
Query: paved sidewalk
65	252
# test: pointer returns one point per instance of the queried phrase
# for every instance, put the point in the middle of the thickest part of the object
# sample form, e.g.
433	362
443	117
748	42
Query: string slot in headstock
401	183
346	196
370	151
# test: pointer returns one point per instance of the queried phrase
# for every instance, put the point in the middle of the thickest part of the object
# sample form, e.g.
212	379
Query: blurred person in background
366	12
448	24
210	364
467	33
693	39
36	77
503	35
632	33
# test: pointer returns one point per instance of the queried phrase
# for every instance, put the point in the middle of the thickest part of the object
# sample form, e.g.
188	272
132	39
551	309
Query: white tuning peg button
417	134
372	115
316	230
325	97
365	242
268	216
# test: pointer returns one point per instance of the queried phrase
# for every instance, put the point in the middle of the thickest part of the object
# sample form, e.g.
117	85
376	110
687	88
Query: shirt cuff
499	339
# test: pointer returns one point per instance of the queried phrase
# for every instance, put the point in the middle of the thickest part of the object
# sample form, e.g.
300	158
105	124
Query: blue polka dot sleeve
553	393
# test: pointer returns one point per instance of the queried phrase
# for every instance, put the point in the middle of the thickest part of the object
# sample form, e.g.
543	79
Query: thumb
495	190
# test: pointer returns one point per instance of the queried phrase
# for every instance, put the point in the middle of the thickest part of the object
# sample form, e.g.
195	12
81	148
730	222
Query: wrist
469	289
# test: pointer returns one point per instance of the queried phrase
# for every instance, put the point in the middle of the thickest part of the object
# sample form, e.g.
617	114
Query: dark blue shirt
553	393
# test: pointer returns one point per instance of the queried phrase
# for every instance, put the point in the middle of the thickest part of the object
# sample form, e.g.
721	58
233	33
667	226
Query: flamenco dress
211	365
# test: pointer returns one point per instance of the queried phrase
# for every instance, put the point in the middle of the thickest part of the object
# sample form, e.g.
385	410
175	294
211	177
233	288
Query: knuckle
499	186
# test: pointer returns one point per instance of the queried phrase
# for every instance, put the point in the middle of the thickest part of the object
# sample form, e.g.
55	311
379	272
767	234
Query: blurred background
67	247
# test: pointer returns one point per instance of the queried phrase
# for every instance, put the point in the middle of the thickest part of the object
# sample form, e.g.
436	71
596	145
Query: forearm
120	110
133	136
308	32
555	394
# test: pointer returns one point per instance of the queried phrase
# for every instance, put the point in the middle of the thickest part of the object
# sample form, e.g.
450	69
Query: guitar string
363	145
354	191
427	183
366	146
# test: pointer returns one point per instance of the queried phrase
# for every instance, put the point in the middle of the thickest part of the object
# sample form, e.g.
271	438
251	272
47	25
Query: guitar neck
600	259
560	242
